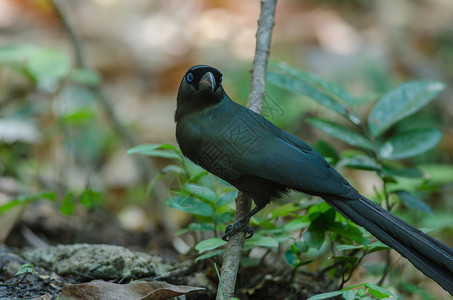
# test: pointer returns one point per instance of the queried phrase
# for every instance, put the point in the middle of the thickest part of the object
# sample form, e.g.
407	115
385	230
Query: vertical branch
233	252
263	45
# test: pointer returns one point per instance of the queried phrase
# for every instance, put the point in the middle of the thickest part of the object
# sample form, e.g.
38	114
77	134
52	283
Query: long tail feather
428	255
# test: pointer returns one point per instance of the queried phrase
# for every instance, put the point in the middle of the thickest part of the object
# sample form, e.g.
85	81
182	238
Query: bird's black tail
428	255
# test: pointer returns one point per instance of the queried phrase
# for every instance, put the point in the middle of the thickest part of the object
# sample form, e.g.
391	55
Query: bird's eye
189	77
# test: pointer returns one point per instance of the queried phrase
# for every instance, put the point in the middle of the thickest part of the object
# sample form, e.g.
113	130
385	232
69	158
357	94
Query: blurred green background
67	122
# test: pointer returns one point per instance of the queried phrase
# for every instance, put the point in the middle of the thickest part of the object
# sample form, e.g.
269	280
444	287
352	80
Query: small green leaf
284	210
337	131
173	169
23	199
402	172
377	246
157	150
26	269
378	291
347	259
349	231
86	77
349	295
291	257
209	244
90	198
402	102
297	224
200	192
333	89
361	162
47	64
226	198
349	247
67	205
190	205
201	226
325	295
14	54
328	151
410	143
413	202
261	241
318	89
314	237
438	173
210	254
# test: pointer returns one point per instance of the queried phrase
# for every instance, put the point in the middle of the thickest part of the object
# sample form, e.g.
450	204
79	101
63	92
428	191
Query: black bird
264	161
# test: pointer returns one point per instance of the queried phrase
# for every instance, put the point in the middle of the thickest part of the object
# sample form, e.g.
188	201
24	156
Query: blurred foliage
48	102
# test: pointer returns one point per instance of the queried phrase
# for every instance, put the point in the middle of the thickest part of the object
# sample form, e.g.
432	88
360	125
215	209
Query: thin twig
257	91
80	58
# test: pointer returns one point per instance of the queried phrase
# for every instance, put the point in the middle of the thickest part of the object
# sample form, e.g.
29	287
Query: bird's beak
207	82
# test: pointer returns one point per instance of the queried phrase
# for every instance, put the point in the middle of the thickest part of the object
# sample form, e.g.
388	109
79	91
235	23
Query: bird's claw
234	228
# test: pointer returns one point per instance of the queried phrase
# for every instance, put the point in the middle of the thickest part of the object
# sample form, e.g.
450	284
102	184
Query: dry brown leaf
154	290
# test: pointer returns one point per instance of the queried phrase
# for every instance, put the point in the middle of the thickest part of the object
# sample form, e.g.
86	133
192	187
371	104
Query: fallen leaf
97	290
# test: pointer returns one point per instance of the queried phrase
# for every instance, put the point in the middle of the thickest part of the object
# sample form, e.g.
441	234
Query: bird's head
200	87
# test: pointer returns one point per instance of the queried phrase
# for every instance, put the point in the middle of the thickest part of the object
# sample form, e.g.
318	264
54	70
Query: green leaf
209	244
291	257
90	198
325	295
210	254
318	89
349	247
13	54
438	173
333	89
157	150
314	237
377	246
190	205
410	143
284	210
347	259
361	162
200	192
349	231
378	291
26	269
201	226
67	205
46	65
23	199
297	224
402	102
328	151
86	77
349	295
226	198
413	202
173	169
402	172
337	131
261	241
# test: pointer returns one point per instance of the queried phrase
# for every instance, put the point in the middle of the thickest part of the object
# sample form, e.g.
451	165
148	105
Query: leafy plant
320	228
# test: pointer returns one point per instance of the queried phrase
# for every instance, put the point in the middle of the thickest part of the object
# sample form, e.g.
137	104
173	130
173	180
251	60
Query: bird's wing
285	159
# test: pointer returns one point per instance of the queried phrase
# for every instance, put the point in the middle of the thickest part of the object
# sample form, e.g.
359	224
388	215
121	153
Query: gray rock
98	261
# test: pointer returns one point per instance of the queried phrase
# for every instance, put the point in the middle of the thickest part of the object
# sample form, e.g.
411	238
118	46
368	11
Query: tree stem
233	252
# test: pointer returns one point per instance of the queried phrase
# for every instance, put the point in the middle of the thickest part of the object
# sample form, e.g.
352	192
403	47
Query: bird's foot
234	228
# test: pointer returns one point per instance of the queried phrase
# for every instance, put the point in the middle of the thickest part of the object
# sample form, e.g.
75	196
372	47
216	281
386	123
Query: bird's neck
201	102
